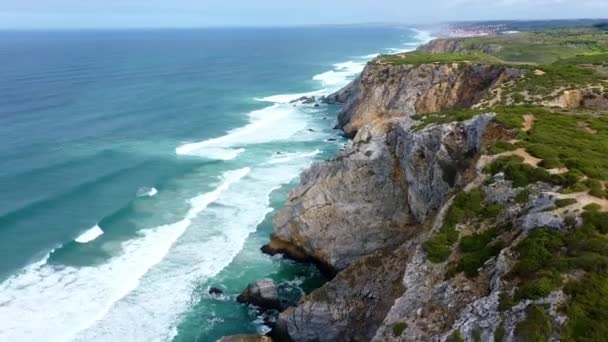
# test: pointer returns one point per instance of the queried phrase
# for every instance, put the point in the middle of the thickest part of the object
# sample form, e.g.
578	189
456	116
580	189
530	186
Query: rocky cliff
378	191
441	225
385	91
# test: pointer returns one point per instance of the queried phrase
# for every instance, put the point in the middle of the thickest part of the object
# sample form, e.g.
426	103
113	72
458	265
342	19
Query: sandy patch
528	122
585	127
558	171
528	158
583	199
485	160
538	72
522	153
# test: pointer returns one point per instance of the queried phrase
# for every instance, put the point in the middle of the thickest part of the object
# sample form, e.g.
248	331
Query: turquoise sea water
138	168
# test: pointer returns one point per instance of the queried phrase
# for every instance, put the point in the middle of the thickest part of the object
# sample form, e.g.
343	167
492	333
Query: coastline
427	218
327	79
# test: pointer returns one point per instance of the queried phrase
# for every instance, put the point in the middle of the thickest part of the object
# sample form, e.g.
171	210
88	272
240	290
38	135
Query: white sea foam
286	98
45	302
292	157
340	75
423	37
215	237
372	56
90	235
275	123
146	192
140	293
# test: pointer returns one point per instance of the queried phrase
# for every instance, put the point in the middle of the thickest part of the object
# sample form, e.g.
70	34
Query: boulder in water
262	293
215	291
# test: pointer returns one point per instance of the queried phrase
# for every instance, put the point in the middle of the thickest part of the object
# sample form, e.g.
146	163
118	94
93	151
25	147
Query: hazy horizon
115	14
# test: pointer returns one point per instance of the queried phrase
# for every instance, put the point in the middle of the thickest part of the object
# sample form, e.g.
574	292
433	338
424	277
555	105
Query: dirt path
583	199
522	153
528	122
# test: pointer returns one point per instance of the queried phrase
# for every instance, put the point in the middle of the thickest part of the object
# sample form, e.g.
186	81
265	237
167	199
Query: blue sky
25	14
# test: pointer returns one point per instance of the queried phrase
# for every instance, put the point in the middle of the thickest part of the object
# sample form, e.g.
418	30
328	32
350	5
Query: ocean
140	167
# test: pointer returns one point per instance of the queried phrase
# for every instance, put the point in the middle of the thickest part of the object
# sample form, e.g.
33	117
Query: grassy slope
575	140
569	59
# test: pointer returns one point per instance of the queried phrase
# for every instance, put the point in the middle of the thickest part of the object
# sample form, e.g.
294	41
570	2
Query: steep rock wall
389	91
377	192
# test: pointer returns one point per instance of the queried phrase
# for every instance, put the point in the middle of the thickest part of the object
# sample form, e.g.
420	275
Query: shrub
455	337
523	196
506	302
588	309
477	249
537	326
519	173
564	202
399	328
537	251
499	333
596	220
466	206
538	288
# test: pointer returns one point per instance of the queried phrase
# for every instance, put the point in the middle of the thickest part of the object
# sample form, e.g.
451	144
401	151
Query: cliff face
458	45
389	91
377	192
458	225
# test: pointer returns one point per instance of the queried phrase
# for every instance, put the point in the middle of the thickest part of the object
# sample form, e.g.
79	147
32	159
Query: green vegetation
587	310
536	264
536	327
466	206
553	77
561	203
577	141
523	197
573	140
541	47
546	255
399	328
422	57
594	219
476	250
477	334
521	174
500	147
505	302
500	333
455	337
447	116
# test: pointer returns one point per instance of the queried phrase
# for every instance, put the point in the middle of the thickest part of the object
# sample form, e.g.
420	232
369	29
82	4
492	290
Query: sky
58	14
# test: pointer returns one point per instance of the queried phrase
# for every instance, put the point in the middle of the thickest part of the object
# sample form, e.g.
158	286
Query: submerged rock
305	100
262	293
215	291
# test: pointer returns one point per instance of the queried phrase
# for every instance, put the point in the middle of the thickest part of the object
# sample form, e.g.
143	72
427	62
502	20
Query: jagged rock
501	191
305	100
351	306
262	293
376	192
215	291
386	91
340	96
245	338
456	45
542	219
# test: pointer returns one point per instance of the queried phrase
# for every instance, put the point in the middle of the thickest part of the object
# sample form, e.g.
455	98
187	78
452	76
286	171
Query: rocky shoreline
379	219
